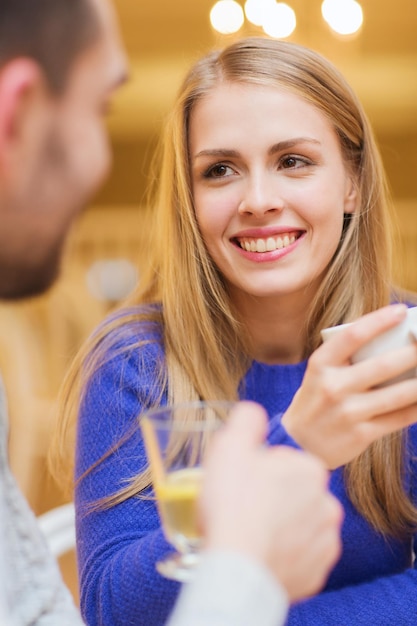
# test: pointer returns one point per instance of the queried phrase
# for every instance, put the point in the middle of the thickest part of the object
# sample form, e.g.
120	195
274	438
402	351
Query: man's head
60	61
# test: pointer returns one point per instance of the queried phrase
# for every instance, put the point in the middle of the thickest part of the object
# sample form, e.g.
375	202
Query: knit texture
230	589
373	583
32	591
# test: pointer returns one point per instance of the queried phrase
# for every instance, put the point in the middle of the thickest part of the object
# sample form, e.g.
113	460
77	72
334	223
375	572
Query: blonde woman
271	223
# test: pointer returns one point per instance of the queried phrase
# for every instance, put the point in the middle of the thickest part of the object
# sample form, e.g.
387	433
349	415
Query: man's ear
20	80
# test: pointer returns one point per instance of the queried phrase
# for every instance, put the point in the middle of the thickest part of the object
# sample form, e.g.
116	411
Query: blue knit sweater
374	583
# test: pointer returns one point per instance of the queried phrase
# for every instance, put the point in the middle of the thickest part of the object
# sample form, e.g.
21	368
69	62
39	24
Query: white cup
401	335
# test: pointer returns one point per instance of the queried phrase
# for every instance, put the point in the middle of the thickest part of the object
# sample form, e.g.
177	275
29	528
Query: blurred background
107	248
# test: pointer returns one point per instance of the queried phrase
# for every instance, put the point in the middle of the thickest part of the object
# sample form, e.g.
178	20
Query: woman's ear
351	195
20	80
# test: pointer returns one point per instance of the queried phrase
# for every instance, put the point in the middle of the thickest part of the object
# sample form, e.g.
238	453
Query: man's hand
270	503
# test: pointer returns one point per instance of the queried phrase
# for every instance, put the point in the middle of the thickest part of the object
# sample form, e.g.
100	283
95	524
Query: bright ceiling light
280	21
226	16
343	16
257	10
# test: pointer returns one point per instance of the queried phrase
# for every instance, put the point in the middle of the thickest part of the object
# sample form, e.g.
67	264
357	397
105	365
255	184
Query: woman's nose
261	196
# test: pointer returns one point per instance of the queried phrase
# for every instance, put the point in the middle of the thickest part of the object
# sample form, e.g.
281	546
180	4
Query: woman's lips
269	243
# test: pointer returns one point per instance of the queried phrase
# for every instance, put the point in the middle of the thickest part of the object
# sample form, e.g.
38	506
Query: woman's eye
218	171
292	162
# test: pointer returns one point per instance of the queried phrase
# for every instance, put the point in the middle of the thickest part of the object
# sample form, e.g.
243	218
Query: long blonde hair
205	355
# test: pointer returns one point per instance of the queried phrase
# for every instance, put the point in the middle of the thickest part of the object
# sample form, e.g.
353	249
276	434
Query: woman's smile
266	245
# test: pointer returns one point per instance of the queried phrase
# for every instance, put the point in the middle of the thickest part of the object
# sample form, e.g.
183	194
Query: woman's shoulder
130	335
127	351
130	326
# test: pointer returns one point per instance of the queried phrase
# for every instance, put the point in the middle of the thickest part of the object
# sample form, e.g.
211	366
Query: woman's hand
338	411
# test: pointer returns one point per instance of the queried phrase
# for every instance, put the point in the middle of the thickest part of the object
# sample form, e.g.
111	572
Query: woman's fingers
392	422
367	432
337	383
340	348
381	369
337	428
384	400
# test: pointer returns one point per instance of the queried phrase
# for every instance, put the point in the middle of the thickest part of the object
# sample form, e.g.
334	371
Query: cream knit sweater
32	592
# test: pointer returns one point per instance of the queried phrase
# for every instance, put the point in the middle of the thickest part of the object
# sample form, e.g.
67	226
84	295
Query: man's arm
271	528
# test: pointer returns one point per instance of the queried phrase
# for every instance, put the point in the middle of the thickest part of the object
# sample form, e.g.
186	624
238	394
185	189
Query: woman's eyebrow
216	152
290	143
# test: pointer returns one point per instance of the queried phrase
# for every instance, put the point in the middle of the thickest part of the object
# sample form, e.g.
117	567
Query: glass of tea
176	438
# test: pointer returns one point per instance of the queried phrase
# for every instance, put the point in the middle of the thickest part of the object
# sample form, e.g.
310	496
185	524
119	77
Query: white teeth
267	245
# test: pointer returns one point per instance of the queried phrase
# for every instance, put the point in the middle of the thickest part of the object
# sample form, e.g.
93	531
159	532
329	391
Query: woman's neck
275	327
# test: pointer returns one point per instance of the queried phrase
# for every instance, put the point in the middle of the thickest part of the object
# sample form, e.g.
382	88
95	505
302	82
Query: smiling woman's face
270	188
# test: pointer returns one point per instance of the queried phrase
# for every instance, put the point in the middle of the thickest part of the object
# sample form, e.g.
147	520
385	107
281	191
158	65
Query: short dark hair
52	32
